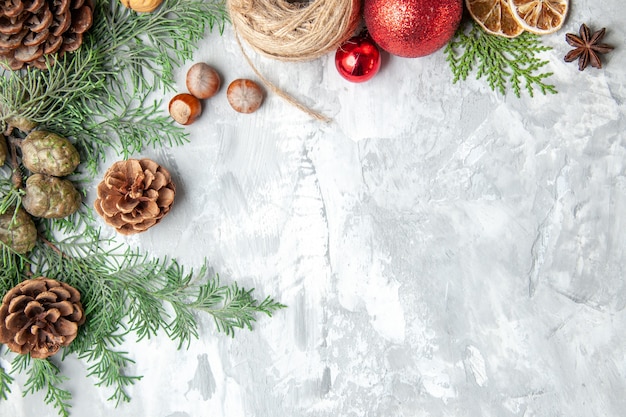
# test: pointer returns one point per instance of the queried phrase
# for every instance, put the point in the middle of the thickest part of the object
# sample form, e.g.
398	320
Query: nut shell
244	96
185	108
142	6
203	81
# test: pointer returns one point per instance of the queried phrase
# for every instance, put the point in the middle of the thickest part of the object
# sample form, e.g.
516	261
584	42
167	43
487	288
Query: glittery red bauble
412	28
358	59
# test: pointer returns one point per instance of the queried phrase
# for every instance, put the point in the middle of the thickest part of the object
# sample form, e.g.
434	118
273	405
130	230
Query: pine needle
505	63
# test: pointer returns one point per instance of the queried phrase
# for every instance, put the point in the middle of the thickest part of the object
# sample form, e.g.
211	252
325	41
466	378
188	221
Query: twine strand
278	91
293	30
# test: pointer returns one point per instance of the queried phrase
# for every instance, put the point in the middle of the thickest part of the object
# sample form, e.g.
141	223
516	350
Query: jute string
293	31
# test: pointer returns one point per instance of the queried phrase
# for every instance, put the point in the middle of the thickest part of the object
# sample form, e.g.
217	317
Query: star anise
588	47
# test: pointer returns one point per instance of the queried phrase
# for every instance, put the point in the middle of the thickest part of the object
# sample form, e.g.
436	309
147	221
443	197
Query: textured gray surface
444	250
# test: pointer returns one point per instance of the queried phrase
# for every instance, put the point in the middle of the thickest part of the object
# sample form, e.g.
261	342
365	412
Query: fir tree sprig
504	62
109	367
150	45
11	195
5	382
42	374
42	96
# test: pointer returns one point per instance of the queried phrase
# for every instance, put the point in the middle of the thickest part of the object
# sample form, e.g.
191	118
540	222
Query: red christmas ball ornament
412	28
358	59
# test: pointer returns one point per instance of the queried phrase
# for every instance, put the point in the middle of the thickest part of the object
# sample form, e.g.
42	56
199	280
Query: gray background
444	250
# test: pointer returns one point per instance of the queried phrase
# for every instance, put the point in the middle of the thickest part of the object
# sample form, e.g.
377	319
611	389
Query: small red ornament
358	59
412	28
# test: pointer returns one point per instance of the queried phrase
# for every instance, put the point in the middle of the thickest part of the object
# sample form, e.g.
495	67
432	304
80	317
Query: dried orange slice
495	16
540	16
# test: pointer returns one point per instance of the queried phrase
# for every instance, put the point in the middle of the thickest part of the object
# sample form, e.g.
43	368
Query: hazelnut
142	6
245	96
185	108
202	80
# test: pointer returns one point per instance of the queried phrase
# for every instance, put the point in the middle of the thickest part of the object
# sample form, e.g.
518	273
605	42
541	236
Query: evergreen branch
108	365
138	125
14	268
148	46
43	374
231	307
11	195
504	62
5	382
132	286
41	96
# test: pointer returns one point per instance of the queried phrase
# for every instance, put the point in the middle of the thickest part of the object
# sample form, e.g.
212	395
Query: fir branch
231	307
138	124
11	195
108	367
43	374
41	96
132	286
5	382
13	270
502	61
148	46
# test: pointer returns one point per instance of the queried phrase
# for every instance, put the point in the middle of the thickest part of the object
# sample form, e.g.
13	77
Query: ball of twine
296	30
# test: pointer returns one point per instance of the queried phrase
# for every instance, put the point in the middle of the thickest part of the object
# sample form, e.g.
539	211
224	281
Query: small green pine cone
4	151
50	197
20	234
48	153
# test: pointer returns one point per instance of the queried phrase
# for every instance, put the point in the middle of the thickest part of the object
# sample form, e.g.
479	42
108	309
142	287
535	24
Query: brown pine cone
48	153
40	315
18	231
135	195
50	197
32	29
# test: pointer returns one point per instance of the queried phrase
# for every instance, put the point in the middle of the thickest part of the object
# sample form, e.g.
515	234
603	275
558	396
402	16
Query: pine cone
48	153
20	234
40	315
135	195
32	29
50	197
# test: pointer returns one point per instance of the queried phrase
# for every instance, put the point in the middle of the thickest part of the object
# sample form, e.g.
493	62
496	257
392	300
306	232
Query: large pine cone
135	195
18	231
50	197
40	315
32	29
